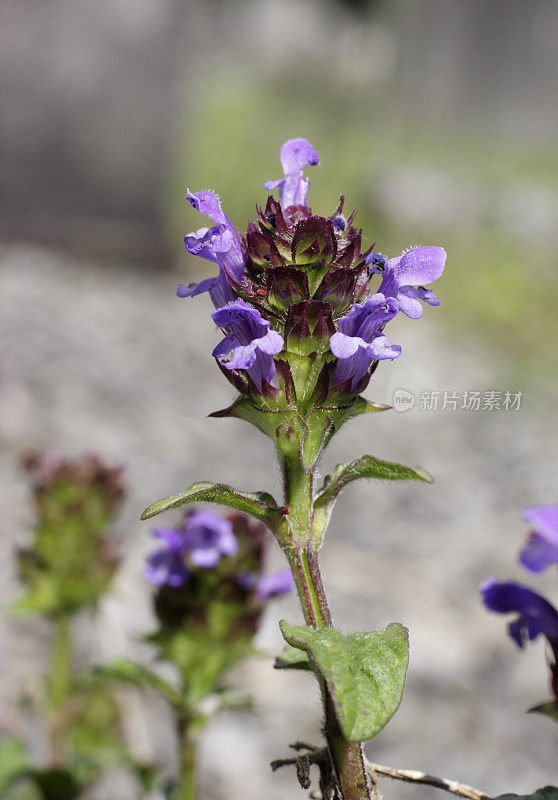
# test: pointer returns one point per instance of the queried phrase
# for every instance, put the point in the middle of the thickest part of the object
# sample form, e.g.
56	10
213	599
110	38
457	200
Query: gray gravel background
109	360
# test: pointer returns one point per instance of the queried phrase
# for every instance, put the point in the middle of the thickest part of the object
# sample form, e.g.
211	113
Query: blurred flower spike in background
201	542
536	616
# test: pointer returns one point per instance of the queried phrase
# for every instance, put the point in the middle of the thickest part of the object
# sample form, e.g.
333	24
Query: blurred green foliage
500	287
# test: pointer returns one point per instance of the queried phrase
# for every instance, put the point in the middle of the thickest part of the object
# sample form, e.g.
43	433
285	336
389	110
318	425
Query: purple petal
295	154
408	303
209	242
343	346
293	188
208	537
173	539
536	615
249	344
381	348
208	557
219	243
274	584
208	203
420	265
354	368
166	567
541	549
544	520
538	553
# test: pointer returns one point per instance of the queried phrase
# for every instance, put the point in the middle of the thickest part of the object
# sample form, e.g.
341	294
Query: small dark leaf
367	467
546	793
364	673
549	709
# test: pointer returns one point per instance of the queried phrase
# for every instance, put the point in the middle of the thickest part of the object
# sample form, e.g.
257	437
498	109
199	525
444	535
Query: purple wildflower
536	614
167	565
359	340
219	244
295	154
250	344
201	541
274	584
404	276
541	549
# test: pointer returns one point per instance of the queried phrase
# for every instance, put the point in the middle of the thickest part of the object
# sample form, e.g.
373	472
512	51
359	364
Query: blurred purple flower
203	539
536	615
274	584
359	340
404	276
208	537
250	344
541	549
295	154
167	565
219	244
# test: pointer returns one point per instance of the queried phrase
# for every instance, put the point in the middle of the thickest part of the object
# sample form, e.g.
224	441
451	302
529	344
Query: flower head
541	549
536	615
299	286
250	344
293	187
403	277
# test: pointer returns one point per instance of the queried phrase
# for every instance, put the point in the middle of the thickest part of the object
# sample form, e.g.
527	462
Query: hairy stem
189	729
347	757
59	686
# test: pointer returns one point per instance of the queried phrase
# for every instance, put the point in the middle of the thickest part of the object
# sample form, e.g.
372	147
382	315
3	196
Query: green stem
347	757
59	686
189	730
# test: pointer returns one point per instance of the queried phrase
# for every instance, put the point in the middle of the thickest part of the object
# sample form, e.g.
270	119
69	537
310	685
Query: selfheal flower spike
201	541
541	549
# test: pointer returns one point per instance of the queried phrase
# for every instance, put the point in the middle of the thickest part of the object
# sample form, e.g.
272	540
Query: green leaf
549	709
366	467
546	793
260	505
13	762
364	673
264	419
125	671
292	658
